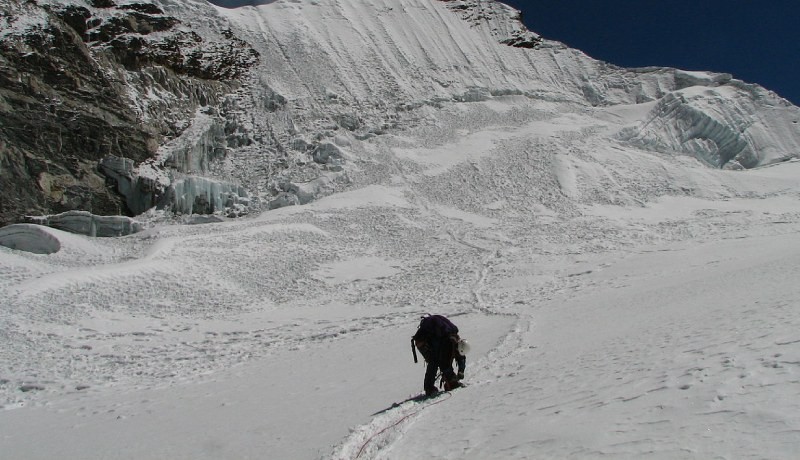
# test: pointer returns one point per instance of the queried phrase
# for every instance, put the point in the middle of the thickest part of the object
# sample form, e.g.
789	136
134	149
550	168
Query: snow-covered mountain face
337	76
324	84
629	288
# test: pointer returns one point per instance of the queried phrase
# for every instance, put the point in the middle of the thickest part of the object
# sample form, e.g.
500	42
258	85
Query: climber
438	341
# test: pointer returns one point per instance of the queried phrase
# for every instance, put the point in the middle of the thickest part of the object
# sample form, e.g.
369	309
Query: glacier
618	245
352	70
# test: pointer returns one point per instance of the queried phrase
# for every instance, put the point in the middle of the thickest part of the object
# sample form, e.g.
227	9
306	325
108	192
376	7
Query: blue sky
756	41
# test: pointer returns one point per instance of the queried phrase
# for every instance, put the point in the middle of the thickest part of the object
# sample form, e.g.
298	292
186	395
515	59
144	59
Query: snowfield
656	317
623	297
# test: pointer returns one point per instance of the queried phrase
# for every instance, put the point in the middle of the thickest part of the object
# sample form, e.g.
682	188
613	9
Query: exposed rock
523	40
284	199
102	3
140	193
507	21
70	80
327	153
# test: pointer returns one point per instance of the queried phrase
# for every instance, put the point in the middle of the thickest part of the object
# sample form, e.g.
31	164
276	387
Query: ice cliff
227	110
353	68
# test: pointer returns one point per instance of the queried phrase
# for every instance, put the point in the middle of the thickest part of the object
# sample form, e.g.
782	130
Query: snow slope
623	298
648	318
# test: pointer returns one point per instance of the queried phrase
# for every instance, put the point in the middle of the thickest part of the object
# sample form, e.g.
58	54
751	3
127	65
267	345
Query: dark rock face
523	40
69	96
477	12
138	193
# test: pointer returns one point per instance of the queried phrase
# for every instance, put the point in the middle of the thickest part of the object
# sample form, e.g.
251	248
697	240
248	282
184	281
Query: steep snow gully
619	246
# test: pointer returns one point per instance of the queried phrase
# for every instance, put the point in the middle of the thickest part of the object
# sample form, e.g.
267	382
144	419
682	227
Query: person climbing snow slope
438	341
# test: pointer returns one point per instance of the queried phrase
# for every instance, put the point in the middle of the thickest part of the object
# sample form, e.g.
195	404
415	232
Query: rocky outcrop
139	193
84	82
507	23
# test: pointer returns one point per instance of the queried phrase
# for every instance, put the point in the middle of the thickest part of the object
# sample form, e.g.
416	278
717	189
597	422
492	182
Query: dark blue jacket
434	327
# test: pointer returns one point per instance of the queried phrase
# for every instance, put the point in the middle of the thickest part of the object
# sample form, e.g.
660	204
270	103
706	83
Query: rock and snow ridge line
507	22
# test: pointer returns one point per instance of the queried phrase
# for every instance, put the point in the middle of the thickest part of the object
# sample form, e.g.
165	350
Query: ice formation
331	60
732	126
86	223
29	238
341	72
198	195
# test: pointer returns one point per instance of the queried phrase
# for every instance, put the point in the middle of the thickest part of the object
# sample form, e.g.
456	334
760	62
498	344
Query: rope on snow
360	451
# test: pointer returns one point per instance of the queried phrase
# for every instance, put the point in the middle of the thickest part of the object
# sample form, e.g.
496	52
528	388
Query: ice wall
731	126
386	59
353	70
29	238
86	223
199	145
174	180
198	195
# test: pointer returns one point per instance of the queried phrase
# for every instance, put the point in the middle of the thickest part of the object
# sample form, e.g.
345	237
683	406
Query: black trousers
442	354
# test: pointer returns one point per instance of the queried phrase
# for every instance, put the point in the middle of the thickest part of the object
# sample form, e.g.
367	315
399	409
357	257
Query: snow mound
29	238
39	239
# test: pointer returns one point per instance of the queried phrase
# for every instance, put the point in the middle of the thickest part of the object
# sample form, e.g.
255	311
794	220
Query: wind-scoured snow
623	297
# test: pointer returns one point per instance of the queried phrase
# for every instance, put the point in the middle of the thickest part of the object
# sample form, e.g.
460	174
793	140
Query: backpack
435	326
432	327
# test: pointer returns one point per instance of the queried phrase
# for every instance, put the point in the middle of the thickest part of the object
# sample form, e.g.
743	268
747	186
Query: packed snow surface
623	298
